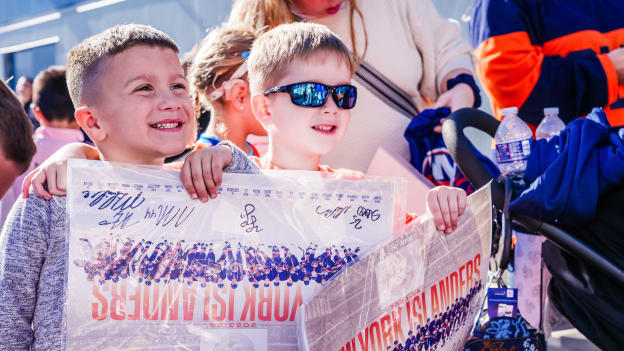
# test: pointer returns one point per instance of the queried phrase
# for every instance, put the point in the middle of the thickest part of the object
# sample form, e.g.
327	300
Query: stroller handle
461	151
460	148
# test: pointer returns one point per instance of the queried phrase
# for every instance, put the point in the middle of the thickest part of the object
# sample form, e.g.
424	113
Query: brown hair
51	96
84	59
274	50
262	15
218	57
16	140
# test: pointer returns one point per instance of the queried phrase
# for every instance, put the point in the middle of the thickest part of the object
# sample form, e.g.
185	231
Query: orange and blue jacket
540	53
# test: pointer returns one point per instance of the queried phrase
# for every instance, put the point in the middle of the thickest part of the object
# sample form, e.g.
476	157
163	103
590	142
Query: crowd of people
291	70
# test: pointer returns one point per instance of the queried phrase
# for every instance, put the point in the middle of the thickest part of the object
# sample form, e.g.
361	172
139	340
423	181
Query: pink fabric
47	140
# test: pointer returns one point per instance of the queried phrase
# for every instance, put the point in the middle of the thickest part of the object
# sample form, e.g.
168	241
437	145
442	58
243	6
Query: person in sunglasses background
218	75
299	77
291	72
407	41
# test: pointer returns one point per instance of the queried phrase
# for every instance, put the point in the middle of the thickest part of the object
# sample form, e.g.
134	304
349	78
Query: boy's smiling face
308	131
142	109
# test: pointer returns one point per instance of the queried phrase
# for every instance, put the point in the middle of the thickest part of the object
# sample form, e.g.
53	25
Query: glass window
28	62
13	11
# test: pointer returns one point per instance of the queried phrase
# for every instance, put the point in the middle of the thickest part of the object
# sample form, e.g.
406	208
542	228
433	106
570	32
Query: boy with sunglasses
299	78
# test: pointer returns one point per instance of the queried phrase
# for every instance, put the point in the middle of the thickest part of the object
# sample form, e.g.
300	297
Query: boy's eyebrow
149	77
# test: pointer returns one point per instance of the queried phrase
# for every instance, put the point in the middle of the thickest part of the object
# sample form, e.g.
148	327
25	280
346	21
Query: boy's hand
54	170
203	169
446	204
53	173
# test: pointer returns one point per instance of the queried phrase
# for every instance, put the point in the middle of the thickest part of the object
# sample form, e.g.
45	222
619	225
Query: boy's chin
173	152
323	149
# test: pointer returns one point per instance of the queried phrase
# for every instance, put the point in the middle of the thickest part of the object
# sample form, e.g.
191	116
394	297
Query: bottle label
513	151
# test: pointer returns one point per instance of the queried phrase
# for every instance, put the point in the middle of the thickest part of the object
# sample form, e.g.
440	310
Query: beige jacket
413	46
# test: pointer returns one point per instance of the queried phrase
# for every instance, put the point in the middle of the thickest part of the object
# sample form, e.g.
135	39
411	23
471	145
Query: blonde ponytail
263	15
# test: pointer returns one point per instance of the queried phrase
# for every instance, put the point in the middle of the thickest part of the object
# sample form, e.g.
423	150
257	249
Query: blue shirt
206	138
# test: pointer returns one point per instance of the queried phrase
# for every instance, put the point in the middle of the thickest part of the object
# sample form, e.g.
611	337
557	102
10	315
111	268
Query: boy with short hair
16	142
132	99
299	78
53	108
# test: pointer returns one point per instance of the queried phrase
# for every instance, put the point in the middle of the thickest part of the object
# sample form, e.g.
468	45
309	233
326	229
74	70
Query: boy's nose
329	107
170	102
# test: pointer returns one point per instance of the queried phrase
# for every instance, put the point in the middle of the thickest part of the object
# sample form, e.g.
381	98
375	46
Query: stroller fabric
591	301
588	299
576	181
570	172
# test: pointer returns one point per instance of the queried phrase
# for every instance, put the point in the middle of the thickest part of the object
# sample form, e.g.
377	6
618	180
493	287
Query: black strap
385	89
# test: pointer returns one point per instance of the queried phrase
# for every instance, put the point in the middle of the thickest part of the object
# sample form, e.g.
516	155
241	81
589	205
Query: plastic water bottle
513	144
550	125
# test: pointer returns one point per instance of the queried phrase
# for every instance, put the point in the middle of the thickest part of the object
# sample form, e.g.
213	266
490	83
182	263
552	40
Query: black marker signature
250	220
364	213
164	215
332	212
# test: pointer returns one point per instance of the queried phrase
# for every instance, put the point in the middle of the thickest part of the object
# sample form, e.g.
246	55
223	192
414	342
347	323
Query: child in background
299	76
16	142
132	99
218	77
53	108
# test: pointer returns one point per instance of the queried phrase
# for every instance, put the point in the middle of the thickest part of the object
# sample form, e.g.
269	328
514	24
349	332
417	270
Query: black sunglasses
310	94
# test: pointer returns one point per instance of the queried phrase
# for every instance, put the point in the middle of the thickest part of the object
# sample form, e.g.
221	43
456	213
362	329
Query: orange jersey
535	54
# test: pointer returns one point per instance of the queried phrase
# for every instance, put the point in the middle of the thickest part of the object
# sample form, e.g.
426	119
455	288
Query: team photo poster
150	268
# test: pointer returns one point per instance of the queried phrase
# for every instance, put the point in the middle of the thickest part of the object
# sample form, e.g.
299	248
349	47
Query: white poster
149	268
421	291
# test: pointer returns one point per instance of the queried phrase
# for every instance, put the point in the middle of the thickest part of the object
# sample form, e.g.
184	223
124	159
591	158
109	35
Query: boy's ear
90	124
260	107
37	112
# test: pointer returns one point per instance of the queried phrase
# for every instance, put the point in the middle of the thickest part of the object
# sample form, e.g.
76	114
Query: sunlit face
23	88
318	8
143	105
310	131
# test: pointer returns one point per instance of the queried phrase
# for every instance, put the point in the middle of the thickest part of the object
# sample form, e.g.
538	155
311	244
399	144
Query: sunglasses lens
308	94
345	96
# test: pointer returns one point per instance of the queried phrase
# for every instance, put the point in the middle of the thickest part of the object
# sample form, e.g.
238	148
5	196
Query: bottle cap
549	111
509	111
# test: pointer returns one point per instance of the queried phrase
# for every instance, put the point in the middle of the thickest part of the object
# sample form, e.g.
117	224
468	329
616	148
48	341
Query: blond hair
274	50
220	54
262	15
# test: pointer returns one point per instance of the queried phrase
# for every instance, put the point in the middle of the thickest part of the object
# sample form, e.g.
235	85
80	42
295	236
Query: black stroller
586	262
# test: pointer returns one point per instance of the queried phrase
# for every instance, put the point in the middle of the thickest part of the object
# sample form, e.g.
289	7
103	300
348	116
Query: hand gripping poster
151	269
421	291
